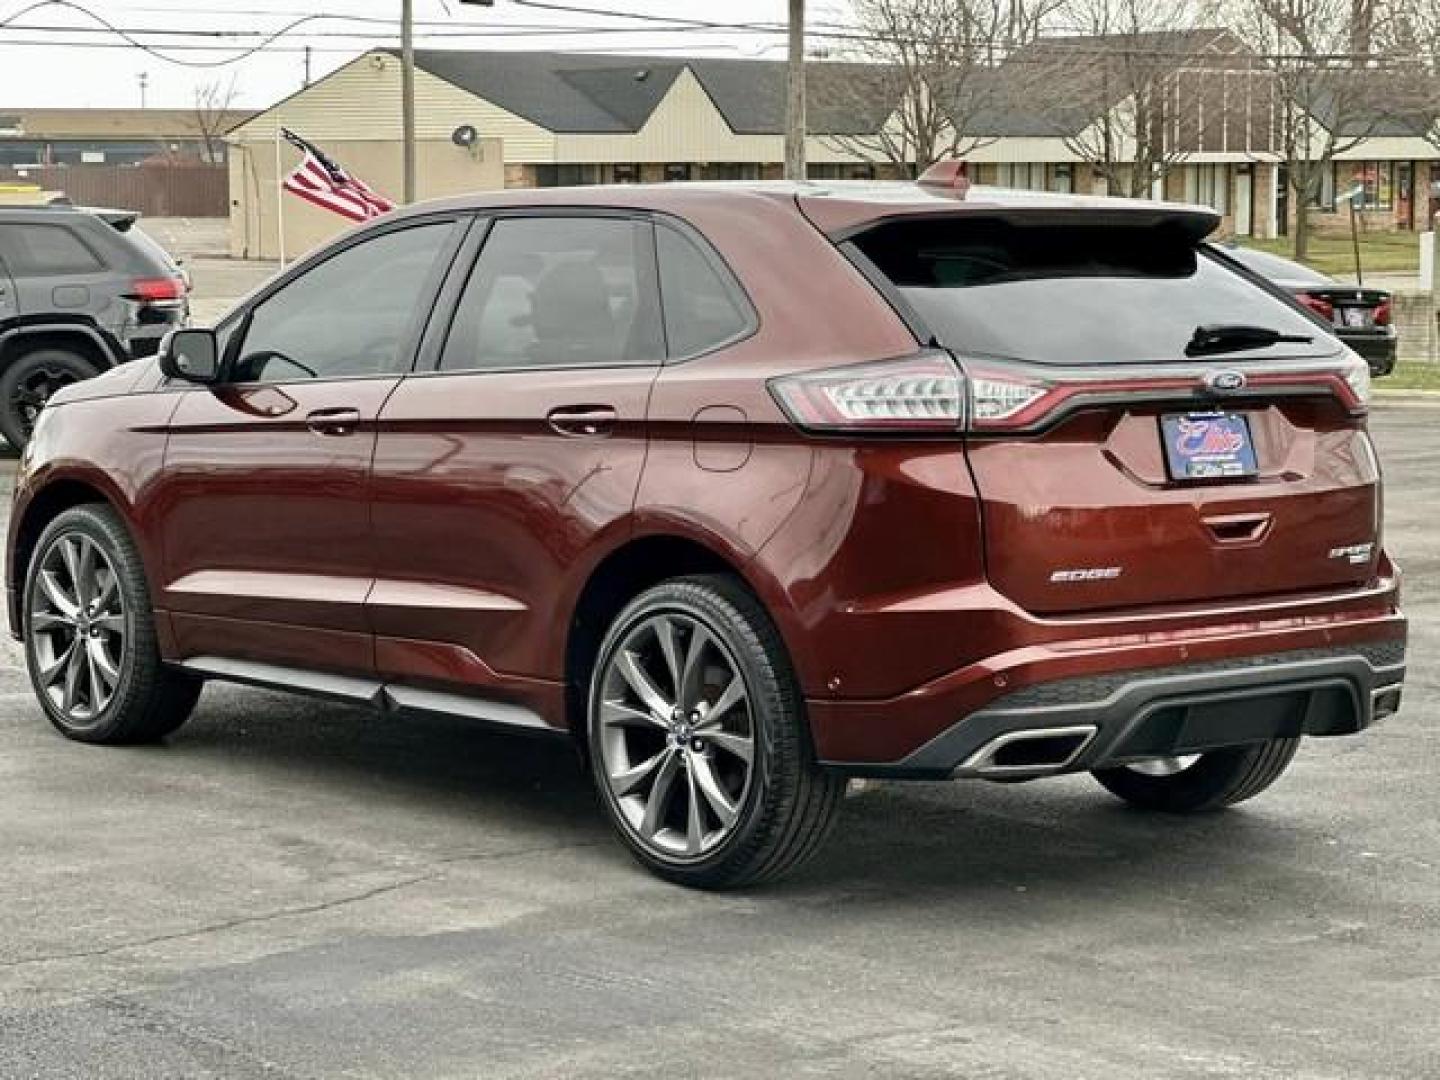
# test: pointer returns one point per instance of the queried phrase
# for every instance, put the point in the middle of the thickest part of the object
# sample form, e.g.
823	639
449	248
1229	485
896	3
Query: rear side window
45	250
702	308
1073	294
559	292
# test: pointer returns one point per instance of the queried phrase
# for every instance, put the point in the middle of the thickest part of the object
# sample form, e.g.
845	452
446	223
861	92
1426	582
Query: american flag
319	180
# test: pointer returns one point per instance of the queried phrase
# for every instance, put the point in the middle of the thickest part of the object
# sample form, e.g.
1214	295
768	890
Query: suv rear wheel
90	640
1199	782
699	746
30	381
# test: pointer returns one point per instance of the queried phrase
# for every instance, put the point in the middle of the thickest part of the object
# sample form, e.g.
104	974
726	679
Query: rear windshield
1074	294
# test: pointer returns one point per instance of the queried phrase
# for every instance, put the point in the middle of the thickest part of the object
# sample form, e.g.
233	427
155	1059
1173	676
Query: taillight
1382	313
914	394
1318	304
149	290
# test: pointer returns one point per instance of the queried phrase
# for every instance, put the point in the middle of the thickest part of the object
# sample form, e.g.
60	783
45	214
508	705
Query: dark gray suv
80	291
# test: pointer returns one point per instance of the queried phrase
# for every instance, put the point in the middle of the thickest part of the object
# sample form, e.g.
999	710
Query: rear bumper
1142	686
1082	724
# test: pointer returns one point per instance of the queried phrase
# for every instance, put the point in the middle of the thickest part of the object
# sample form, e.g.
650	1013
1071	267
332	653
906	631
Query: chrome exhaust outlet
1031	752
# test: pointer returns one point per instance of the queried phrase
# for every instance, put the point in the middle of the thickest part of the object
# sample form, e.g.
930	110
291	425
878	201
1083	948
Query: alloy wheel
676	736
36	388
77	628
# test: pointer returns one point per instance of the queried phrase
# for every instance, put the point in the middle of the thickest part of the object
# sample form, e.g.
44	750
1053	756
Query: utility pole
144	83
795	95
307	65
407	94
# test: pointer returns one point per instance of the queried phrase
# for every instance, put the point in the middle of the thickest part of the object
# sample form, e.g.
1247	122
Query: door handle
333	421
583	420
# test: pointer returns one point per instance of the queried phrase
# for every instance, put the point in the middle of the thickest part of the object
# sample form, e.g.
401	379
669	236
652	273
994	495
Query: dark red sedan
747	489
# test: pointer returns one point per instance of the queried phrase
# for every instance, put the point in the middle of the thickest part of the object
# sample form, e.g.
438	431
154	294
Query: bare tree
1409	33
1325	94
1111	90
212	117
923	72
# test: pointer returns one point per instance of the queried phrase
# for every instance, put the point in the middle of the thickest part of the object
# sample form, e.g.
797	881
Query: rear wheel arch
79	339
639	564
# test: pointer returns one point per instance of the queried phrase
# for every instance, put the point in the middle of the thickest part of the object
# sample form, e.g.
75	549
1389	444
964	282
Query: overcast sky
41	68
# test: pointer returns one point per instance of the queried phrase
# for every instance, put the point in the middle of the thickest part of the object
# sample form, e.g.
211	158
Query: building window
1323	196
1375	180
677	171
625	174
1023	175
1208	185
1062	178
566	175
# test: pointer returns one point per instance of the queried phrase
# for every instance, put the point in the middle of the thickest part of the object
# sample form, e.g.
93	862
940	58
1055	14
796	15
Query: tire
1213	781
120	692
29	381
780	804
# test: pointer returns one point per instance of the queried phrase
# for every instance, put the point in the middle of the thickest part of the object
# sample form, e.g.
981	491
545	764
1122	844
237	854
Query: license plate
1353	317
1208	446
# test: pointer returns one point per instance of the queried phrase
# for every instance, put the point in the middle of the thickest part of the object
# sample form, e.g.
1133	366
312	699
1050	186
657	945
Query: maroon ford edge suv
748	489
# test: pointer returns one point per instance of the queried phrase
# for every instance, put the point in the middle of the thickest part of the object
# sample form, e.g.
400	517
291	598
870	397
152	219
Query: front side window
46	250
353	315
559	292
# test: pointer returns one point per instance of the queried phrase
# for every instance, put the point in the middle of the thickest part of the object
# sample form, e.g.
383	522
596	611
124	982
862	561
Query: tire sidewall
764	696
92	525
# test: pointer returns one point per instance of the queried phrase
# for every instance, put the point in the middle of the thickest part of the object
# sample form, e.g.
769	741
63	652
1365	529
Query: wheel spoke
665	634
49	672
619	714
694	819
55	593
689	692
115	624
48	620
85	582
74	672
630	669
659	798
625	782
720	802
742	746
109	590
109	673
731	696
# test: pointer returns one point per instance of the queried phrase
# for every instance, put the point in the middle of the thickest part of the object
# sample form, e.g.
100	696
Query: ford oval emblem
1224	382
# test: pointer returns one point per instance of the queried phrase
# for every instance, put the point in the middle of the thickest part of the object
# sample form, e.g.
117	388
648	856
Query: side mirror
192	355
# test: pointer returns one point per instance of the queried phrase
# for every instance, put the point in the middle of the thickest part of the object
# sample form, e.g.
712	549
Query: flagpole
279	199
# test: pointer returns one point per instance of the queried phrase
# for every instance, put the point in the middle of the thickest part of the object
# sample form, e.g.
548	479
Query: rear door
9	303
57	268
498	467
1081	350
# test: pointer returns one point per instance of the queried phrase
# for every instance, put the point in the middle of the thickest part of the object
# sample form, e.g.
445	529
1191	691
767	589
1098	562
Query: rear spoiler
119	220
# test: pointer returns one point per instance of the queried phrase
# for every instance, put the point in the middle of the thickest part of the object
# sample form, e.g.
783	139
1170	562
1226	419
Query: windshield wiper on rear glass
1232	337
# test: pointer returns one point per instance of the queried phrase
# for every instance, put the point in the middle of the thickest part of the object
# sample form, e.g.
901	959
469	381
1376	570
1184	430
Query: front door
496	469
9	305
263	514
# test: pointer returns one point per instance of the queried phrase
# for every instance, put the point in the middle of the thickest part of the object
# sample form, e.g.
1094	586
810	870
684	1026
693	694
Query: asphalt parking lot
289	889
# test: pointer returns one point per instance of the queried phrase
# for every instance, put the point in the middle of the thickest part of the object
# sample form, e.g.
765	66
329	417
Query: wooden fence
154	190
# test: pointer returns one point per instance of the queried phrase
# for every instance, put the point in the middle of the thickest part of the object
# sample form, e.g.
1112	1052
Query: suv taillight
150	290
1382	313
914	394
1318	304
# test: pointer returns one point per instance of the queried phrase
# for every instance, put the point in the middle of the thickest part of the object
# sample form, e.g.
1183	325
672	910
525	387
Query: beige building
546	119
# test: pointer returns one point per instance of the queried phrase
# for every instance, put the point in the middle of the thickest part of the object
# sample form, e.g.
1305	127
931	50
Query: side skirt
389	698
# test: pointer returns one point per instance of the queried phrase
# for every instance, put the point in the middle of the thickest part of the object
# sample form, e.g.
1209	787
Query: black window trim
461	224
